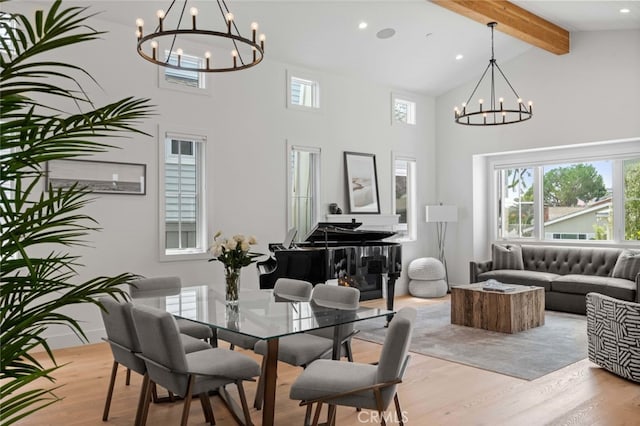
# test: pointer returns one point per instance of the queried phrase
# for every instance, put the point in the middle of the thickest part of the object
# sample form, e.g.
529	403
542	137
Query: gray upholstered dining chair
348	299
169	286
185	375
285	289
291	290
301	349
360	385
123	340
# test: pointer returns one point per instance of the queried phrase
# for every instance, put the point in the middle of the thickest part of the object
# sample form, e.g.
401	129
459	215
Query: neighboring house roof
603	204
599	205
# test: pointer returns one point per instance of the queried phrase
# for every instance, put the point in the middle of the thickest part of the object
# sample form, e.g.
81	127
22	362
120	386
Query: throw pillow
506	257
628	265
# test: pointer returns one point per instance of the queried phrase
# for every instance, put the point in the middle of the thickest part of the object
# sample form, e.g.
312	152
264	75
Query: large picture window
182	203
572	200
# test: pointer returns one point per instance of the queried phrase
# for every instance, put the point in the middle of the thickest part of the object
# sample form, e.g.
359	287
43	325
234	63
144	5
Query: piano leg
391	288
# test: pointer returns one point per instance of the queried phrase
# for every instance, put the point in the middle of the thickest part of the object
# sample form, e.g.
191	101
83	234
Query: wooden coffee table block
509	312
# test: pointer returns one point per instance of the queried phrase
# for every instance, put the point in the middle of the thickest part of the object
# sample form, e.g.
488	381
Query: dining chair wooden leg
307	415
331	414
398	410
128	380
187	400
348	351
112	381
206	408
143	402
316	416
154	393
243	402
259	398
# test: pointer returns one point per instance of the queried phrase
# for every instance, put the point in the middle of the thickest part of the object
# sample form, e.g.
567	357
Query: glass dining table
257	314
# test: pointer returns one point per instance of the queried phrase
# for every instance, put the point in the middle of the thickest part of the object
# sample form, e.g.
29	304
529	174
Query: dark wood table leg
270	375
391	289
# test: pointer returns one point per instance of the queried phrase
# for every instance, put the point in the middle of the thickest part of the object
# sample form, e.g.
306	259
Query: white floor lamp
441	215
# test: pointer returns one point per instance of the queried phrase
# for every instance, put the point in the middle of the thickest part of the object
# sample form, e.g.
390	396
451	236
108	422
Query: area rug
530	354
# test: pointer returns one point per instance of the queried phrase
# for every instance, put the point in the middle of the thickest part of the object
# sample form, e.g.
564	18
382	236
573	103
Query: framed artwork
362	182
104	177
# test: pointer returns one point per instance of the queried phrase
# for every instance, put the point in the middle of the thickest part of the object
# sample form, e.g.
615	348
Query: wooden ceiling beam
513	20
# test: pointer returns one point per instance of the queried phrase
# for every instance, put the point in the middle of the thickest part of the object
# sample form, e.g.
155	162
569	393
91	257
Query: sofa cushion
565	260
627	265
506	256
512	276
583	284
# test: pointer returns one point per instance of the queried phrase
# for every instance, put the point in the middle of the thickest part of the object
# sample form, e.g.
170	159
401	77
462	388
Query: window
403	111
190	303
570	200
404	196
184	80
182	223
7	24
304	188
631	183
181	147
303	91
516	212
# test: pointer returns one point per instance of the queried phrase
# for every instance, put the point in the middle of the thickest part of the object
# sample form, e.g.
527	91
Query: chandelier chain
235	45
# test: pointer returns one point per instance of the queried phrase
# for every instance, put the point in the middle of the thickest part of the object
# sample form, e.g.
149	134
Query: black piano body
338	251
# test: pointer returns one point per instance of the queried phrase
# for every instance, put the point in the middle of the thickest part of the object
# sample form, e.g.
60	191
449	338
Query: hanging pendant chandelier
494	113
164	46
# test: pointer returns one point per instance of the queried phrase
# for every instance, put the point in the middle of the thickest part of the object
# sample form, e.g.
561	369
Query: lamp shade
441	213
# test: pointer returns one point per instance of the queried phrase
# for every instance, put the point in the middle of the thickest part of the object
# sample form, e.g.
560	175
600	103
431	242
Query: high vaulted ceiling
420	57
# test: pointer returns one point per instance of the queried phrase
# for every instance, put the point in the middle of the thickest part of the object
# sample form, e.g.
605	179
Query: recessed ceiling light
459	56
625	10
386	33
363	25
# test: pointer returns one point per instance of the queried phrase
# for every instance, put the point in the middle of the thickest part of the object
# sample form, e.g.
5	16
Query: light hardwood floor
435	392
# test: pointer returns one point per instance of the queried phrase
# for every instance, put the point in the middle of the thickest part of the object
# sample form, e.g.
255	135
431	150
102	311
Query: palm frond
35	288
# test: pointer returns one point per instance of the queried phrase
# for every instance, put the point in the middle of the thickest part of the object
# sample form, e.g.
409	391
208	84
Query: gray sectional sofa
566	273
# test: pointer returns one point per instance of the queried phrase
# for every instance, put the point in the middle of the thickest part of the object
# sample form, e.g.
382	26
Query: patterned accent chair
613	329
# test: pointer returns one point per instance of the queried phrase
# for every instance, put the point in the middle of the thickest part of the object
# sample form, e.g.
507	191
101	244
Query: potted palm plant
38	224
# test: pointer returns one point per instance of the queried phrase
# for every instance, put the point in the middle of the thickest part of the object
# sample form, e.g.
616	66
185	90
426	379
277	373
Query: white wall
248	125
588	95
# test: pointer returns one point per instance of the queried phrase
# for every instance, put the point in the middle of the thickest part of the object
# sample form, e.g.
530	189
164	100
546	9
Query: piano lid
344	231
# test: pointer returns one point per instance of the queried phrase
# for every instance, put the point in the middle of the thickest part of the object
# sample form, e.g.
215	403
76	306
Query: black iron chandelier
498	114
158	46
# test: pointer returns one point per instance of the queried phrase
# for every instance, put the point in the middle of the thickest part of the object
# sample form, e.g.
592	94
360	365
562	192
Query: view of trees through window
516	214
632	199
577	200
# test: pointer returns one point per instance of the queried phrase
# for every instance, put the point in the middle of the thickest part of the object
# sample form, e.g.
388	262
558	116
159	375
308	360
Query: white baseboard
68	340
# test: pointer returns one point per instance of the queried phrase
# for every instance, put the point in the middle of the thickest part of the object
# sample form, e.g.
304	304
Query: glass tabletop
257	314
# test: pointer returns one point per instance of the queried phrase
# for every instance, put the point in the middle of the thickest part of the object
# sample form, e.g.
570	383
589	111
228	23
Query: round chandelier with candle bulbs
493	112
180	26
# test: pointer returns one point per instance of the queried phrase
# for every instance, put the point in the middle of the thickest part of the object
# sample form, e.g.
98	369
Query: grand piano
338	251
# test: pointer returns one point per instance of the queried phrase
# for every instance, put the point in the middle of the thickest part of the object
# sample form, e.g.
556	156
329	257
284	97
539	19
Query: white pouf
427	278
